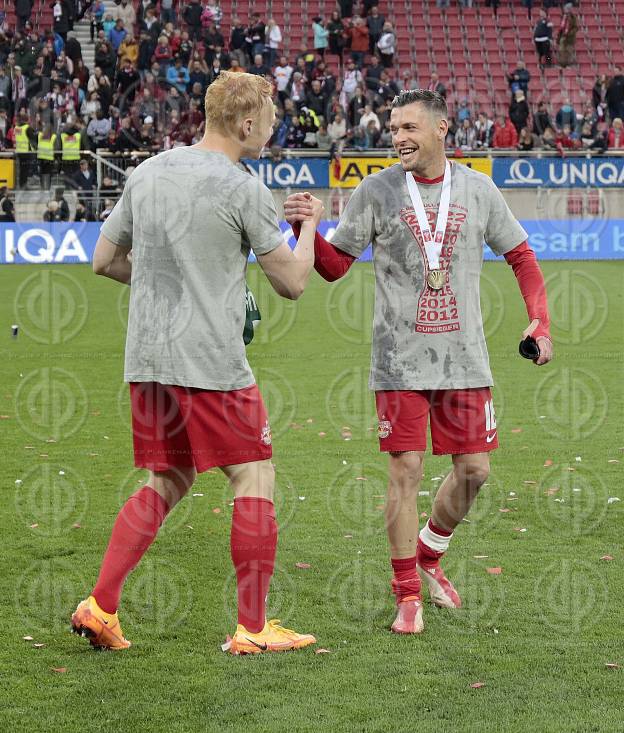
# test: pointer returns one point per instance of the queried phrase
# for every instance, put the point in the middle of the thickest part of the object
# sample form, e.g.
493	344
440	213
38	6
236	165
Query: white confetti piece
423	493
612	499
578	459
437	478
197	494
512	493
61	473
18	482
302	498
344	463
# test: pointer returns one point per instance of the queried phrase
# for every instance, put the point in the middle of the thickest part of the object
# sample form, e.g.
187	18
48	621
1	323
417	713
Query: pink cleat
409	618
441	591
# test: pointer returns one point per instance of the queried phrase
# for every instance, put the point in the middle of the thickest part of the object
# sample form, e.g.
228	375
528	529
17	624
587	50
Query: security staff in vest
46	148
71	145
25	143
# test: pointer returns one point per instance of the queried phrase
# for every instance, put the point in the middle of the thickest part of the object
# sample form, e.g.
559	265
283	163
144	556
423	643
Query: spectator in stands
337	129
373	73
259	67
63	16
178	76
84	180
614	95
297	89
52	212
525	140
599	95
321	36
369	117
601	138
129	49
435	85
98	130
213	39
23	10
192	15
162	55
549	141
542	37
256	35
566	115
7	208
375	23
589	117
357	103
316	99
281	74
18	90
336	29
519	110
386	45
615	140
466	135
566	139
371	135
352	79
484	131
323	138
126	13
567	36
408	80
274	41
519	78
217	12
505	135
463	111
541	119
346	8
167	11
358	32
117	35
295	136
238	41
127	82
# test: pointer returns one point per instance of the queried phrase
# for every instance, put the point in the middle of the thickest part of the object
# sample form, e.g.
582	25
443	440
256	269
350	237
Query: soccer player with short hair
190	217
427	219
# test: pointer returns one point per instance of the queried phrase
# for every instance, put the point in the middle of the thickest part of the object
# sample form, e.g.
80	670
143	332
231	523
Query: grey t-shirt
191	217
426	339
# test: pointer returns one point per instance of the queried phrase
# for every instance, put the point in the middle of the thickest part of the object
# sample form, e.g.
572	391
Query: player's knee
406	468
475	472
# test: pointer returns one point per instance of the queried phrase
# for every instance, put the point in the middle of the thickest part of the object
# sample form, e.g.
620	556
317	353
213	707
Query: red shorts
462	420
179	427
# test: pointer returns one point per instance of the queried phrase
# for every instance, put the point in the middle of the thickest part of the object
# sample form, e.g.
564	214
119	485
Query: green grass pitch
539	635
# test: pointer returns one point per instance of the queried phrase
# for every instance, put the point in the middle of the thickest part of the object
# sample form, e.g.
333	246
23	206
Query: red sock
253	544
432	544
134	531
406	581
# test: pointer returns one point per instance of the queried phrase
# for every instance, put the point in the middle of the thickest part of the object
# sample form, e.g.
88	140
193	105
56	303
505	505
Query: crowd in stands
153	65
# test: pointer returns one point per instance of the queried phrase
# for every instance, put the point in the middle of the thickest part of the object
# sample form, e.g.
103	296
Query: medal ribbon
433	243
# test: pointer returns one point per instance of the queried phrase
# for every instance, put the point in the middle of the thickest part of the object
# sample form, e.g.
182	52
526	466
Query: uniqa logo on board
284	174
579	172
38	246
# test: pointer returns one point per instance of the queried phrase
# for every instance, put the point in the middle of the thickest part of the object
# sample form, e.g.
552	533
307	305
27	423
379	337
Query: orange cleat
409	618
101	628
441	590
272	638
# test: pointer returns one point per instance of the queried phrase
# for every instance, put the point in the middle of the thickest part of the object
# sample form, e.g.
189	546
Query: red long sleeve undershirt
332	263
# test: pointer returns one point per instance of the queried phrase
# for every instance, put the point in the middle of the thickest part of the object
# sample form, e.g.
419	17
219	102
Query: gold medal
436	279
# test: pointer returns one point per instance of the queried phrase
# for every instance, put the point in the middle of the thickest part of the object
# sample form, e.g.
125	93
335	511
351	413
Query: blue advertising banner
292	173
558	172
73	243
